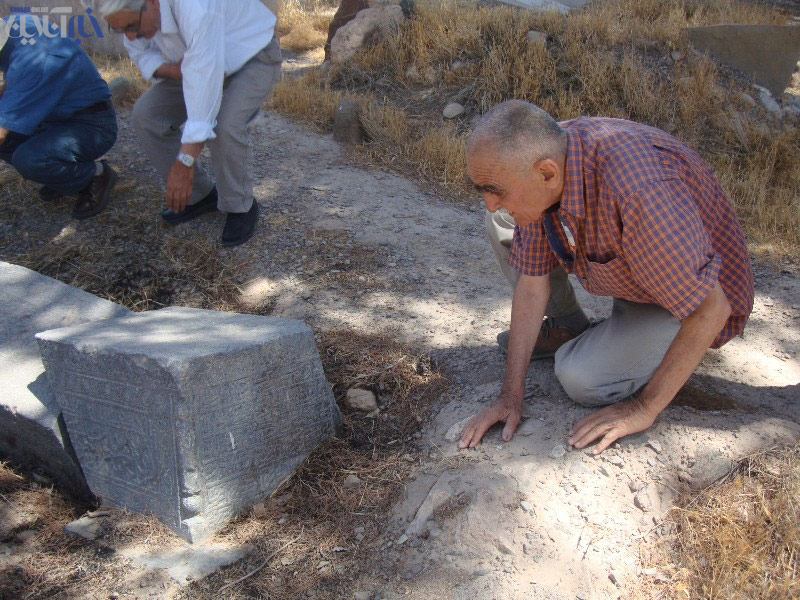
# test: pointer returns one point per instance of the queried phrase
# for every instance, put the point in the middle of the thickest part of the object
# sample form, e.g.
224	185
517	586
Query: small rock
453	110
617	461
746	99
351	481
408	458
655	445
526	506
612	577
435	533
455	430
85	527
536	37
579	468
709	468
634	485
527	428
123	89
402	540
362	596
363	400
558	451
675	55
283	520
642	501
604	470
769	103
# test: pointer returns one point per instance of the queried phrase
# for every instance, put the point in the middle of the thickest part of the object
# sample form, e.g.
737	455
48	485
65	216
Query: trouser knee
28	163
581	385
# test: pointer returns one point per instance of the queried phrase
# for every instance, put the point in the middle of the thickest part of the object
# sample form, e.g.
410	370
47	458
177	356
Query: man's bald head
518	132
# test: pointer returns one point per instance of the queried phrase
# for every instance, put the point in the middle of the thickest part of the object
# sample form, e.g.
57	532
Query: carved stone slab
188	414
32	432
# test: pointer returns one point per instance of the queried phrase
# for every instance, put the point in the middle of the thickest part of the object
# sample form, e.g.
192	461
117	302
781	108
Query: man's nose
491	202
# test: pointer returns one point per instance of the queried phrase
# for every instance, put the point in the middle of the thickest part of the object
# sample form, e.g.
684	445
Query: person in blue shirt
56	116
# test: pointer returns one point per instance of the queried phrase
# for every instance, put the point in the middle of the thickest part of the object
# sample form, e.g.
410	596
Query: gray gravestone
32	432
188	414
767	54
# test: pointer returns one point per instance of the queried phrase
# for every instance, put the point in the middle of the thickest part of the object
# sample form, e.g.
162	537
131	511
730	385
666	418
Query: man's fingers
609	438
582	427
511	426
592	434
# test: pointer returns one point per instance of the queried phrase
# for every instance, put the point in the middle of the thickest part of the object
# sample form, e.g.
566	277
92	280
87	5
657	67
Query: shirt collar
572	197
168	23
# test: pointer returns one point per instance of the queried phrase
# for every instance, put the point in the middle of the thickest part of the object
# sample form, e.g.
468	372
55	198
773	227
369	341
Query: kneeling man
636	215
214	63
56	117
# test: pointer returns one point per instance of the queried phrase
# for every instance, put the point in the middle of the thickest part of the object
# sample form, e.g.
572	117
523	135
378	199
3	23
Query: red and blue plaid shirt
642	218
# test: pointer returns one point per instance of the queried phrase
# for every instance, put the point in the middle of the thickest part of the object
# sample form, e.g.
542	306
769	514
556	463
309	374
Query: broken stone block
766	53
190	415
368	25
32	432
347	127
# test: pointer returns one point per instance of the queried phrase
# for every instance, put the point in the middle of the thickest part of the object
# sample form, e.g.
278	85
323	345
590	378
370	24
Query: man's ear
549	172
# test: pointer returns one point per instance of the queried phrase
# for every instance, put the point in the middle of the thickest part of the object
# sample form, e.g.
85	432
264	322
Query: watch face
186	159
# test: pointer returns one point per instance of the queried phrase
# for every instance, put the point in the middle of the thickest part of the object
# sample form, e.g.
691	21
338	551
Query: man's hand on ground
508	408
3	134
179	186
610	424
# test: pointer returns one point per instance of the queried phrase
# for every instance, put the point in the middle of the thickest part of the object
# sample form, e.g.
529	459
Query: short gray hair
519	131
109	7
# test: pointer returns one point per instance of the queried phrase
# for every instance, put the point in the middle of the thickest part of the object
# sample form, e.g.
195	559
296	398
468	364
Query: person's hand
179	186
3	135
170	71
611	423
508	408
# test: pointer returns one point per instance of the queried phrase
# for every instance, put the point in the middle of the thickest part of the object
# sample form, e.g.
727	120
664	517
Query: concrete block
32	432
188	414
766	53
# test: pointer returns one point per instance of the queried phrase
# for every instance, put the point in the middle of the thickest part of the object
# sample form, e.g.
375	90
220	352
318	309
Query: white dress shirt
213	38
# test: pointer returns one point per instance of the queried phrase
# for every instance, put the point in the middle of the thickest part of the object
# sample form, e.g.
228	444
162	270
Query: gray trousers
610	360
159	114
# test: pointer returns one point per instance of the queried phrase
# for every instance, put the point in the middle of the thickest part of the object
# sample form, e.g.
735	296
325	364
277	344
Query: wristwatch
186	159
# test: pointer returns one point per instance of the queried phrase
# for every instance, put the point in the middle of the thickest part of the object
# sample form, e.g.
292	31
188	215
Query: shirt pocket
610	278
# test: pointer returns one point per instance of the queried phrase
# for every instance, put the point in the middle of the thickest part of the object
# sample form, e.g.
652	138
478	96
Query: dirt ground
353	248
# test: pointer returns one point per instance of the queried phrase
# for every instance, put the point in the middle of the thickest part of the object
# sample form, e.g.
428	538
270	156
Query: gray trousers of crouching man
159	114
609	361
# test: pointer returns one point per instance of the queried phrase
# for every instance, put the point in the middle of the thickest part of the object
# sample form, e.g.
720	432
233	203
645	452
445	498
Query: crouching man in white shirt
214	63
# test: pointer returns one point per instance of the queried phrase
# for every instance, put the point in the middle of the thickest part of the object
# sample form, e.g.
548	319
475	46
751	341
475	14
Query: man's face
137	24
525	191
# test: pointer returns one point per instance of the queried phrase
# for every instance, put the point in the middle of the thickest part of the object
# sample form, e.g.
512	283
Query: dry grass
740	539
611	59
303	25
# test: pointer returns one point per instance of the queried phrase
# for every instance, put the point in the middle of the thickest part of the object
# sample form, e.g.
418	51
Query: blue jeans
61	154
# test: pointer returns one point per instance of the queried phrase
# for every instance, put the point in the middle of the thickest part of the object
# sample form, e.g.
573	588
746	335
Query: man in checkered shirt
636	215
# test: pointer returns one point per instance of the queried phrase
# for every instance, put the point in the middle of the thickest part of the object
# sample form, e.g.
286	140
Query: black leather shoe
48	194
239	227
93	199
191	211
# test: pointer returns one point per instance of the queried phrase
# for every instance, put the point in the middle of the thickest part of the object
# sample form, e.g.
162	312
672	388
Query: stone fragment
655	445
766	53
634	485
526	506
536	37
675	55
369	24
771	106
347	127
615	460
452	110
123	90
86	527
642	501
558	451
186	564
351	481
362	596
190	415
358	399
528	427
440	493
402	540
545	5
578	467
32	431
455	429
711	465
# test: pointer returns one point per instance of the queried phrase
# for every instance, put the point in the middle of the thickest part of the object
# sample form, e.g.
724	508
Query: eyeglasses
129	28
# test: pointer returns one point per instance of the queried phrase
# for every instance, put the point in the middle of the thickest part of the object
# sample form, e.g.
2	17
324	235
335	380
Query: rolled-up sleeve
146	55
667	248
203	67
530	252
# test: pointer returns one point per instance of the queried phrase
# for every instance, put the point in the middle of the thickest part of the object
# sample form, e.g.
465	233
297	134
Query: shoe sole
184	218
243	239
101	206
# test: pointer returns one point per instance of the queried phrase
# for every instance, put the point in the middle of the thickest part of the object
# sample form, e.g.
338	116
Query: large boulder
368	25
766	53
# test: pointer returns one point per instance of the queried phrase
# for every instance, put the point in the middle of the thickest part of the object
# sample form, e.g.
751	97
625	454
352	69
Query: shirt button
584	281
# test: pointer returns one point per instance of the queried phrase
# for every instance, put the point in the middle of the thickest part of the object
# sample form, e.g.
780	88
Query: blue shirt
49	80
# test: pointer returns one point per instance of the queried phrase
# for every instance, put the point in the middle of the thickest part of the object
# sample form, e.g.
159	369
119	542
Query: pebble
617	461
642	501
351	481
526	506
604	470
558	451
453	110
363	400
402	540
655	445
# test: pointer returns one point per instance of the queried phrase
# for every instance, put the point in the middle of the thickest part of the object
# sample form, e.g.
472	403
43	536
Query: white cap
3	33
